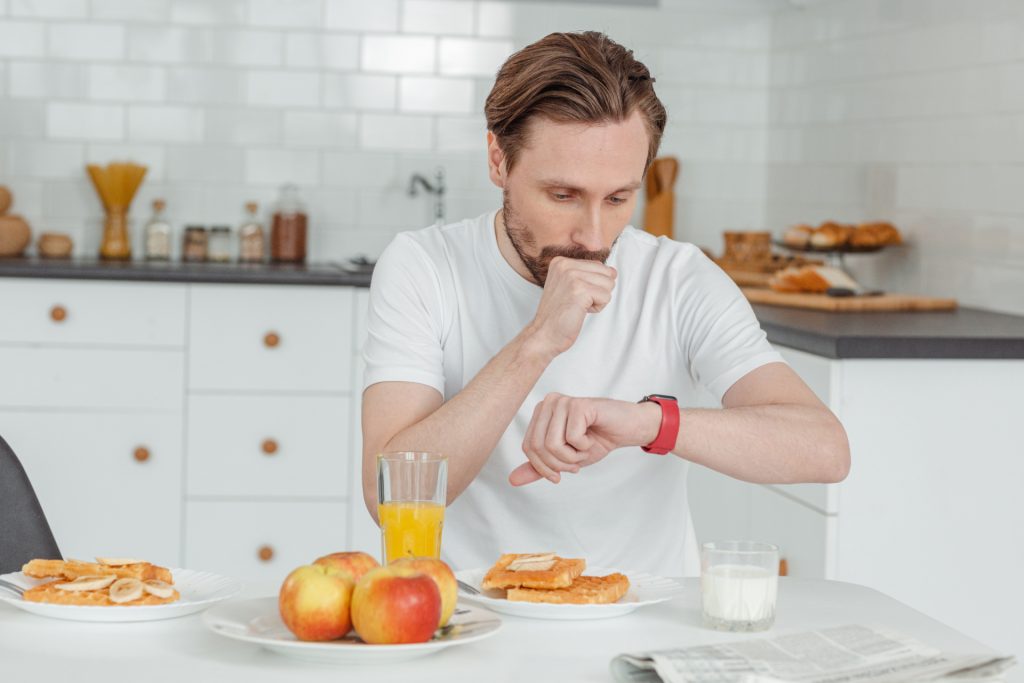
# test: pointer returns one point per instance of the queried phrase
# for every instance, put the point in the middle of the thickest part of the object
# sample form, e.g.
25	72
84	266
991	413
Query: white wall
910	110
226	99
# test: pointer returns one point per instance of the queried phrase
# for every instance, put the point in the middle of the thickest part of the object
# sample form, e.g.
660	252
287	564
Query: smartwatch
665	441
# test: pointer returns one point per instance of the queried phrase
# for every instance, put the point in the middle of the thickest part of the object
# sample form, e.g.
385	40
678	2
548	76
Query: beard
522	238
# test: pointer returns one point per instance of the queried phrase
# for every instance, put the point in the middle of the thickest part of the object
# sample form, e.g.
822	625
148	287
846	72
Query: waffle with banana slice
108	582
546	577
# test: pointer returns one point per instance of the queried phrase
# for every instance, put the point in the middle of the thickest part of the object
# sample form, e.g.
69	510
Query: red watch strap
665	441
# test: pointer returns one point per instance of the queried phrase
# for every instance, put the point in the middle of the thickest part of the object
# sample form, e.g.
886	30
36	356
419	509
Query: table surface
37	648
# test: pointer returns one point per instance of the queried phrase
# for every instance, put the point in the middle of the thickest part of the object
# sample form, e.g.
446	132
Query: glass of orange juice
411	492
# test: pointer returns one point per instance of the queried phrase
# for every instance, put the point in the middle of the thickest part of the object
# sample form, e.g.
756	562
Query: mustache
573	252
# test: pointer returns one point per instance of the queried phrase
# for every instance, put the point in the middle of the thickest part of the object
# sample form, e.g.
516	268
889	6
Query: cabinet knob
271	340
141	454
783	567
58	313
266	553
269	446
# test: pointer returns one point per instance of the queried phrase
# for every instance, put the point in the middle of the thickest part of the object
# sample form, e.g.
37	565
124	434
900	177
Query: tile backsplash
780	111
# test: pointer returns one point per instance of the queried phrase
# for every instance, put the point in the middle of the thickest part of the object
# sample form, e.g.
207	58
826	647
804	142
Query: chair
24	532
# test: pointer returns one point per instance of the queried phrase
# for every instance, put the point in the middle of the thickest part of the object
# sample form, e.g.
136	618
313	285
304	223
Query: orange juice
410	529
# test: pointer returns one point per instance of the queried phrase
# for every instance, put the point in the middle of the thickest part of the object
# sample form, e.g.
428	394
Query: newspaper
834	655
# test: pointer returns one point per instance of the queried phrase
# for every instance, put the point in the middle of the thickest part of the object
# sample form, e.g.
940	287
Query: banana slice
87	583
160	589
118	561
125	590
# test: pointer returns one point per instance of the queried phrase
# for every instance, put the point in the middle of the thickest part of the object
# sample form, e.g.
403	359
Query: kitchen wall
225	100
911	110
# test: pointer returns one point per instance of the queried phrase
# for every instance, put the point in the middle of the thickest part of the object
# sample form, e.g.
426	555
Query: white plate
199	590
258	621
644	589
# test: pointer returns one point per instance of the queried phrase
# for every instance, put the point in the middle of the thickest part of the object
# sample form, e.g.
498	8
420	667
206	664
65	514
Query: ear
495	161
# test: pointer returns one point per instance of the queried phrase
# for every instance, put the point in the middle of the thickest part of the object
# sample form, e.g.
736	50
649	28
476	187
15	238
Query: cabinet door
109	484
270	338
804	535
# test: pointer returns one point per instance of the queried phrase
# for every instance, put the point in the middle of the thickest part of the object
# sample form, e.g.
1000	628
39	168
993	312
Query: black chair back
24	532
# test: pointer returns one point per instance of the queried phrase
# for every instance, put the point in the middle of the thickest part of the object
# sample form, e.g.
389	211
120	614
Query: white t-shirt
444	301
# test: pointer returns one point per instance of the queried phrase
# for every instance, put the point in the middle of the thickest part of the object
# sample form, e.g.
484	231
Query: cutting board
821	302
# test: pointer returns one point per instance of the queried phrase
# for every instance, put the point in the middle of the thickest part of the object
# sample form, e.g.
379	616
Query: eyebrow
565	184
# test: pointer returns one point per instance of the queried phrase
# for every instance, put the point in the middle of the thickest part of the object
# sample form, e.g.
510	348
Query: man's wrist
649	423
535	346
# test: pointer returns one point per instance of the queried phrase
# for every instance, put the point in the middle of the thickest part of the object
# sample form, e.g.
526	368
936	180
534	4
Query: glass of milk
739	583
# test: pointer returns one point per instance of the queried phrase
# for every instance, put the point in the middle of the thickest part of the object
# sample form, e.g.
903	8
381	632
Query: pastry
830	236
72	569
585	590
49	592
533	570
798	237
813	279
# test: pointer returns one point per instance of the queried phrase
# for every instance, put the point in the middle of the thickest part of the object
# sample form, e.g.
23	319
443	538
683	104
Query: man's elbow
838	454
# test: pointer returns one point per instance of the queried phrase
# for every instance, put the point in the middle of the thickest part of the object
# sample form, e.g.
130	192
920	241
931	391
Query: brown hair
571	77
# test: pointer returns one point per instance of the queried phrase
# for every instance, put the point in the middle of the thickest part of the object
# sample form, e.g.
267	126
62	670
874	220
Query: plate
841	249
258	621
199	590
644	589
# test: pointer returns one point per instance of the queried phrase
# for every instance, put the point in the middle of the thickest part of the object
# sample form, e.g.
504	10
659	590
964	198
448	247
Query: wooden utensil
823	302
660	209
116	184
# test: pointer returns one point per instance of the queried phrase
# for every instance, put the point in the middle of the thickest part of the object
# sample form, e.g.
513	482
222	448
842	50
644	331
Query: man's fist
573	289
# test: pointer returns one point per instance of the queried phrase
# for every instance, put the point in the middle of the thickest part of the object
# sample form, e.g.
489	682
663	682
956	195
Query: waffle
558	576
72	569
585	590
47	592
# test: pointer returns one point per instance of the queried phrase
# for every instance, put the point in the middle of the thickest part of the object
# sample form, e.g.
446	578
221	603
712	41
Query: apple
442	575
314	602
355	563
396	605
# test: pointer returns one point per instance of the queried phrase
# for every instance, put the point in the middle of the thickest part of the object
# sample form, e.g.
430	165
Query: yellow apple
355	563
314	602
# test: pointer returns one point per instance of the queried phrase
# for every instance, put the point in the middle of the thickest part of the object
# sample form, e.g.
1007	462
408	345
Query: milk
738	597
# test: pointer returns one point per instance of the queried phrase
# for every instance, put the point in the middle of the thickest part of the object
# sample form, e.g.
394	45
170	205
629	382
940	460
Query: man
520	342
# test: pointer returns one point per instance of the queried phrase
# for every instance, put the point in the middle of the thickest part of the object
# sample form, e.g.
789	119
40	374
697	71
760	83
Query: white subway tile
392	207
359	169
205	85
358	15
440	95
244	126
45	159
22	39
248	47
169	44
132	10
26	197
279	166
23	119
283	88
126	83
47	80
397	132
205	163
49	9
332	51
473	57
151	156
320	129
290	14
212	13
69	199
330	209
85	41
360	91
84	121
462	134
3	79
438	16
496	19
165	123
400	54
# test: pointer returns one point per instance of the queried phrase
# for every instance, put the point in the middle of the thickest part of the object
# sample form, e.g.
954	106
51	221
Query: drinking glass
739	585
411	492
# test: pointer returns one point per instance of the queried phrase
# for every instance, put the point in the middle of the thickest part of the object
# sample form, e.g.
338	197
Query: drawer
100	496
268	446
361	317
228	537
86	312
98	379
257	337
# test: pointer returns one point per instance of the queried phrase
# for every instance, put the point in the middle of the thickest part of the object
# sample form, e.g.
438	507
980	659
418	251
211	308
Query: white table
184	651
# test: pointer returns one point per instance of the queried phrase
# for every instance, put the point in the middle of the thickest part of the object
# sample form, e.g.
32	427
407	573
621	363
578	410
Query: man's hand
568	433
573	289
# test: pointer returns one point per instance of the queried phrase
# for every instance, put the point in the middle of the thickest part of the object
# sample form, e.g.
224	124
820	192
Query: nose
588	233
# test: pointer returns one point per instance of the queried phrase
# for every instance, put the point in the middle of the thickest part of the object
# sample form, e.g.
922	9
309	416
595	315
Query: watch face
664	396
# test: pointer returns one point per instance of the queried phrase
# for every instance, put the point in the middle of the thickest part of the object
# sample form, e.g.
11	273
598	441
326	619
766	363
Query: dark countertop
964	333
156	271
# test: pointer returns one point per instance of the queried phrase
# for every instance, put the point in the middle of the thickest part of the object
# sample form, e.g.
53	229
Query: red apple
355	563
396	605
314	602
442	575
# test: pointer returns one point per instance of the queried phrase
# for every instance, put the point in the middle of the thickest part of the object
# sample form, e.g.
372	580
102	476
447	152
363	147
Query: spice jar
219	249
250	237
288	230
194	248
158	234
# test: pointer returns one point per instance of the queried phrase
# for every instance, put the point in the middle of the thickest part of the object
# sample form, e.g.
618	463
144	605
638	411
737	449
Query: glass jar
158	234
288	230
251	248
195	244
219	249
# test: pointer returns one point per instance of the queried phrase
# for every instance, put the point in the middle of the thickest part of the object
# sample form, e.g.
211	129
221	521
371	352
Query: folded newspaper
833	655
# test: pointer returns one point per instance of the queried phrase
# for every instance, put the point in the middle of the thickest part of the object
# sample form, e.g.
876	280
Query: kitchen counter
967	333
155	271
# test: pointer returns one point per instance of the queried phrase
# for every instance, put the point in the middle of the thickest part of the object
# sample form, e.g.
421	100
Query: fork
472	590
18	590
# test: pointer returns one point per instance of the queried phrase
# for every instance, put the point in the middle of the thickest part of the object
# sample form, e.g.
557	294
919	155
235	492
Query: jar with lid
288	230
219	248
195	244
158	234
251	248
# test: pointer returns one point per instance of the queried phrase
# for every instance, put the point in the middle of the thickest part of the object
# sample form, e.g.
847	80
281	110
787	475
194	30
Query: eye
617	200
561	196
